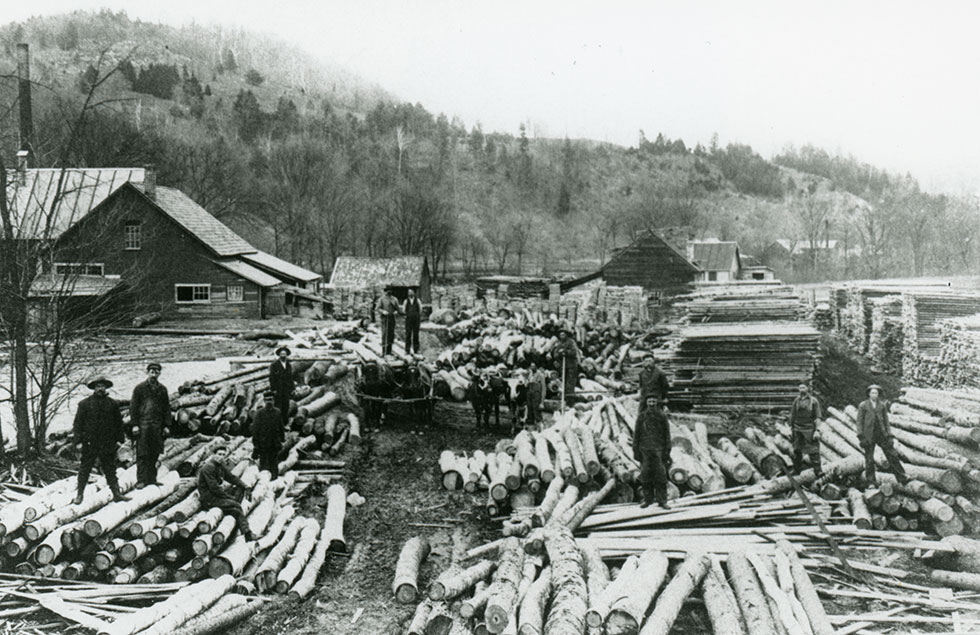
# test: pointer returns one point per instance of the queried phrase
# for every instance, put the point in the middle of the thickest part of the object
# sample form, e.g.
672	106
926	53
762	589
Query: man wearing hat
98	428
281	383
803	416
267	436
651	449
653	383
565	354
873	429
388	307
149	415
413	322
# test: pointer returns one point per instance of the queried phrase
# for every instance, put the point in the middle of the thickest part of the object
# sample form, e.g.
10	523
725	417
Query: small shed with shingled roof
401	273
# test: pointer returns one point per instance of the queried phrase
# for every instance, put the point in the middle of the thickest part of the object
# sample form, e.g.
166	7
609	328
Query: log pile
886	337
922	314
959	352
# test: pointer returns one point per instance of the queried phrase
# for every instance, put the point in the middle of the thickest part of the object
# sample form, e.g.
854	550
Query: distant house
753	269
650	262
401	273
718	260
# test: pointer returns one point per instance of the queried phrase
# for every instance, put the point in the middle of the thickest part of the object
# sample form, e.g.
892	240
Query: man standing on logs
98	429
388	308
413	322
873	429
535	394
267	436
149	414
565	354
803	417
281	383
209	479
653	383
651	449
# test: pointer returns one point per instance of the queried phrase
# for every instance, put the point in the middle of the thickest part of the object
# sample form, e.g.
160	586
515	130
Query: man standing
535	394
413	321
873	429
388	308
149	415
651	449
653	383
267	436
209	479
98	429
565	355
803	417
281	383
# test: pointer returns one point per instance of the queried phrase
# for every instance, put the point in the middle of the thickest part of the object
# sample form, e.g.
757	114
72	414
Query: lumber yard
491	483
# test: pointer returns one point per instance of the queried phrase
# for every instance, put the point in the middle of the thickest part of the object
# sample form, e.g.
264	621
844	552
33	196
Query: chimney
23	156
24	100
150	181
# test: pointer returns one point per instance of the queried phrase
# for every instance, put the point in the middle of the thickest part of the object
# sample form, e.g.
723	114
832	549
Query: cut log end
407	594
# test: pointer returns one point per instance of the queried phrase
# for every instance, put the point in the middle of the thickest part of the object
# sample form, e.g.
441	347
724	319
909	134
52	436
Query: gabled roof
41	213
715	256
358	271
248	272
217	236
270	263
648	235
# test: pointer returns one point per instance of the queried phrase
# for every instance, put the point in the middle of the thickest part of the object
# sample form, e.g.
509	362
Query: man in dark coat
803	416
413	322
211	493
535	394
98	429
873	429
388	308
267	436
653	383
281	383
149	415
565	354
651	449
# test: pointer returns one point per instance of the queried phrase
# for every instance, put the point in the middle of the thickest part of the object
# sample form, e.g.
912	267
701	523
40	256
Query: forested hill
312	162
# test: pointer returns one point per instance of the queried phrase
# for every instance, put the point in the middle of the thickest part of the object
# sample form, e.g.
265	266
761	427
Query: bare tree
813	212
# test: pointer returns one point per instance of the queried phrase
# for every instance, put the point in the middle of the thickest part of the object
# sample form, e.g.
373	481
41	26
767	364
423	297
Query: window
134	239
79	268
192	293
236	293
712	276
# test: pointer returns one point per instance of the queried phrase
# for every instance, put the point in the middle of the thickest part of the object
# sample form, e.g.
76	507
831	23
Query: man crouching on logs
651	448
212	494
98	429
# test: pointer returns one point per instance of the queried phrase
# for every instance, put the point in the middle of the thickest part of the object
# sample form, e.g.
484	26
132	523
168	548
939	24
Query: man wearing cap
149	415
267	436
98	429
388	307
653	383
210	477
651	449
565	354
873	429
413	322
803	416
281	383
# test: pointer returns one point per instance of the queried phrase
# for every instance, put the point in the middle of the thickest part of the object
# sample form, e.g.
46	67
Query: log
589	453
938	510
530	469
532	609
720	602
453	583
265	578
163	617
450	466
307	579
598	610
305	544
959	579
354	426
569	600
748	593
626	614
405	584
419	619
543	456
596	573
474	605
228	611
440	620
669	604
859	511
233	559
333	520
503	589
547	506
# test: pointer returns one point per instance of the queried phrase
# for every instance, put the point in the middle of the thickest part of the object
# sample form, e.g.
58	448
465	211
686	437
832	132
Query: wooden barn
401	273
652	263
718	260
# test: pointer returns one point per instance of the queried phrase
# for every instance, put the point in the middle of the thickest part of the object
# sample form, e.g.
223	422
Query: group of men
99	429
389	307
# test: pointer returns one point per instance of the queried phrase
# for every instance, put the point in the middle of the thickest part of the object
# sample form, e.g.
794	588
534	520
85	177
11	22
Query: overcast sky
894	83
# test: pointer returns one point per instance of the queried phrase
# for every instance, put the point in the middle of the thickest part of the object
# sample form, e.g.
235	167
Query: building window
236	293
79	268
134	239
712	276
192	293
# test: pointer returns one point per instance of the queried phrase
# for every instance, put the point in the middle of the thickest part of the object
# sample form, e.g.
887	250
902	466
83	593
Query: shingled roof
270	263
364	272
217	236
715	256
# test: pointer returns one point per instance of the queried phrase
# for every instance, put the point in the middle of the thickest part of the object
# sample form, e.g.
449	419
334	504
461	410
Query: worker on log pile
281	383
653	383
651	449
388	307
211	493
98	429
536	389
873	429
267	436
149	415
565	354
413	322
803	417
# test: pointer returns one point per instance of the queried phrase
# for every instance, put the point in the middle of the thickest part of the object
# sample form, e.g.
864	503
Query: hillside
312	162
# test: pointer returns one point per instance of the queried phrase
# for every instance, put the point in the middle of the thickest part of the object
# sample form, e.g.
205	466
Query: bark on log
163	617
547	506
751	600
503	594
453	583
627	613
543	455
532	610
307	579
265	578
669	604
569	601
959	579
720	602
301	553
596	573
473	606
806	592
405	585
333	520
598	610
419	619
440	620
859	511
449	466
228	611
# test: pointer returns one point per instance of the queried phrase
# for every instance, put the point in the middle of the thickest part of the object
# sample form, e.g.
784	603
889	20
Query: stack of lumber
922	314
822	317
959	352
759	307
886	337
745	366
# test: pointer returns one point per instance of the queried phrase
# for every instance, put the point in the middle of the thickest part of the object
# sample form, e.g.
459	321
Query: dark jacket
267	432
281	380
150	410
209	479
388	308
803	415
98	421
653	382
566	350
652	434
870	417
413	310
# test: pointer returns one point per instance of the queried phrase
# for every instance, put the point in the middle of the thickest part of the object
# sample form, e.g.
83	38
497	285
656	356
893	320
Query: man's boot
116	494
79	496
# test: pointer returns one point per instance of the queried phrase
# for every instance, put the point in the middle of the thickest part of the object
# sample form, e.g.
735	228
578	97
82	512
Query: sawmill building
653	263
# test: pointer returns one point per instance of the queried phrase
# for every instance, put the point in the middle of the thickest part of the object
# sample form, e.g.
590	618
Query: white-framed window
236	293
80	268
133	236
192	293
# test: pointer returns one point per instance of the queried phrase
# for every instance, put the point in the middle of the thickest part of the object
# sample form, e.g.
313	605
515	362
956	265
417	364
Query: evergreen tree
248	115
254	78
